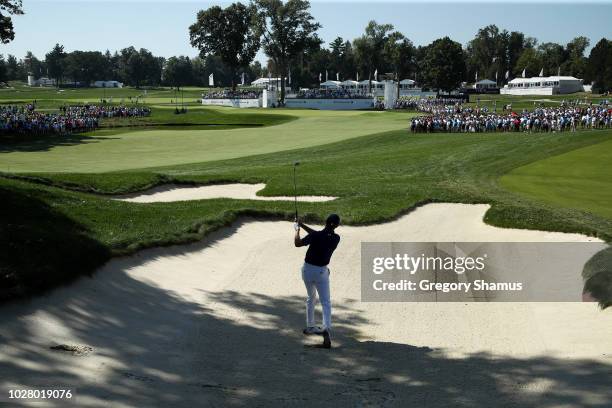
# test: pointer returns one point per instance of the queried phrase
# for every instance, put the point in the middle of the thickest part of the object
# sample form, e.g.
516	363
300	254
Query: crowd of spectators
229	94
105	111
25	120
473	120
426	104
330	94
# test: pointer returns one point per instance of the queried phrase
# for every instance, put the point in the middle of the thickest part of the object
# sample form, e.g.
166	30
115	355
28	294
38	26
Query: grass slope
579	179
109	151
376	177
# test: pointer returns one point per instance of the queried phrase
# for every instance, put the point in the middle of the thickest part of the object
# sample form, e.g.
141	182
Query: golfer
315	273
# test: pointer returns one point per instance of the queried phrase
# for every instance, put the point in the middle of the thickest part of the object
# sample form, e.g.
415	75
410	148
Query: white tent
262	82
108	84
543	86
407	84
331	84
349	84
375	84
485	84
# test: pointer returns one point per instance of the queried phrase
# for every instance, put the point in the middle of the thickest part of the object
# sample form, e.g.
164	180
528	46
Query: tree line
229	38
130	66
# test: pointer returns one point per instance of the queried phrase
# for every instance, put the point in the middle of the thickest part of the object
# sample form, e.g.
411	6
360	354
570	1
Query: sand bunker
170	193
218	323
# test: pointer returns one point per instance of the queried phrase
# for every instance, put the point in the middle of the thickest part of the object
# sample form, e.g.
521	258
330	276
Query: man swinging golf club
315	273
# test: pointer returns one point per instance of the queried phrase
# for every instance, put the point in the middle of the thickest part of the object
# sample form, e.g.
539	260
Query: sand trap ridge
173	192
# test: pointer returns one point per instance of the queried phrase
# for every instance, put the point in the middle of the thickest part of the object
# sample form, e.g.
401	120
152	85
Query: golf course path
173	192
218	323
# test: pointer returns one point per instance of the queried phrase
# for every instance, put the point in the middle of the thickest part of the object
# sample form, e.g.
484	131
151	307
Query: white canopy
407	82
331	84
263	81
364	83
543	79
349	82
486	82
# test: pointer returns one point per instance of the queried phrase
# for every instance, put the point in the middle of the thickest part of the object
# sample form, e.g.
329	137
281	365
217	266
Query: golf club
297	163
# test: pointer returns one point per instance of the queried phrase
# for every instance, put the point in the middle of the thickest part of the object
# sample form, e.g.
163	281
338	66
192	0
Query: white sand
170	193
218	323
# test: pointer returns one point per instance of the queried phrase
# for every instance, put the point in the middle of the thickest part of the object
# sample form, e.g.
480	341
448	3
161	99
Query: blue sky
161	26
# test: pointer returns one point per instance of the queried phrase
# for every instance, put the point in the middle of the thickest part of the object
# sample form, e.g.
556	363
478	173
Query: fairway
102	152
579	179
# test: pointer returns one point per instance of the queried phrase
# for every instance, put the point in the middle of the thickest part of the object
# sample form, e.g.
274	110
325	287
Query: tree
84	66
486	53
139	67
211	64
288	29
32	65
576	62
12	68
401	54
599	66
3	69
178	71
443	65
515	45
369	48
342	59
231	33
10	7
553	56
55	61
530	61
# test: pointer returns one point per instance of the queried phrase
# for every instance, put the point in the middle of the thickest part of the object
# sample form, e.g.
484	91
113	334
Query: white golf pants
316	280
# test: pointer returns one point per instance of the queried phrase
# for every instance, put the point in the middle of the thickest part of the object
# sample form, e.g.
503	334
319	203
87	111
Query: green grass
368	159
105	151
376	178
579	179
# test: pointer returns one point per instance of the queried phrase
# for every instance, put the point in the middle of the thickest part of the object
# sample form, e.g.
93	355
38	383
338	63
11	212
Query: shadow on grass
41	248
45	143
155	348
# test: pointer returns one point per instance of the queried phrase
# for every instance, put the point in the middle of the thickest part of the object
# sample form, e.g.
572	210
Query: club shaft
295	191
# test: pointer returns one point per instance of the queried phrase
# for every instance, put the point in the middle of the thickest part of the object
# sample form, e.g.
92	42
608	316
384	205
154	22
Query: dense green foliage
8	8
230	33
600	66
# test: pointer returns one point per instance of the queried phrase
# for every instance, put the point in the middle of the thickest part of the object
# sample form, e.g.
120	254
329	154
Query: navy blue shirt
321	246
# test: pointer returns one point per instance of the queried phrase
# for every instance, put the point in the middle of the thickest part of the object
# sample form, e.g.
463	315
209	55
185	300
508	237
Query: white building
107	84
408	84
485	84
349	85
269	83
553	85
331	85
40	81
378	88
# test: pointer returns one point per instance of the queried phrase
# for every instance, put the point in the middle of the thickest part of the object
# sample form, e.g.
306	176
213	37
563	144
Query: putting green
148	148
579	179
